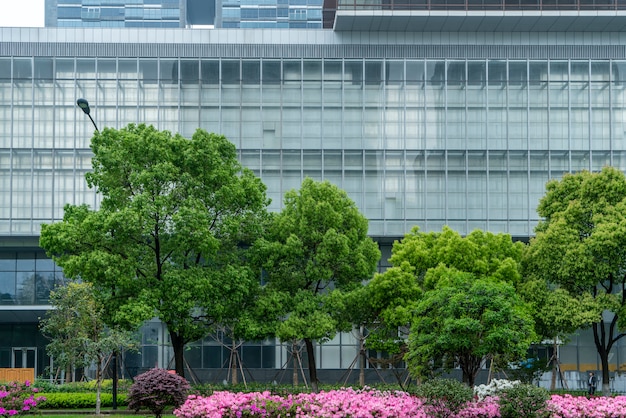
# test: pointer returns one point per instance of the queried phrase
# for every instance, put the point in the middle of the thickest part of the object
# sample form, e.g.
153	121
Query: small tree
77	331
157	389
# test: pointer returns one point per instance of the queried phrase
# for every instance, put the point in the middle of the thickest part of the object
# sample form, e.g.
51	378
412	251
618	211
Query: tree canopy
580	246
317	243
469	311
169	237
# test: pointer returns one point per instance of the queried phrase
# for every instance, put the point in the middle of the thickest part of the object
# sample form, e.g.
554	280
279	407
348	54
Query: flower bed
368	403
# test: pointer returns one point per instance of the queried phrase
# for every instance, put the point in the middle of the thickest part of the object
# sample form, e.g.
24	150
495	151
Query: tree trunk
233	364
555	363
603	346
296	362
178	344
470	366
363	355
98	384
312	367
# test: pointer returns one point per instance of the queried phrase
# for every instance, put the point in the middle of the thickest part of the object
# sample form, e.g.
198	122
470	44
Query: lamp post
84	106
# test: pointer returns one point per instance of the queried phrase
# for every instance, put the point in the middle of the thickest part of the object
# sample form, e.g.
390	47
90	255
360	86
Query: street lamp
84	106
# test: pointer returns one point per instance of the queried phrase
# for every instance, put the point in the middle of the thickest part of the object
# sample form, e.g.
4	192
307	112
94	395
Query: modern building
129	13
427	114
184	13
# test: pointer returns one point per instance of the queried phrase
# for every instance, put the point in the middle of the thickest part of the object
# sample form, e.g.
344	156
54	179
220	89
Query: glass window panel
107	69
518	72
168	71
271	72
252	355
435	72
497	73
292	71
415	72
189	71
456	72
7	287
332	71
538	71
579	71
127	68
86	68
5	69
353	72
148	70
394	72
210	71
476	73
251	72
64	68
373	72
618	71
43	69
230	72
22	69
312	70
558	71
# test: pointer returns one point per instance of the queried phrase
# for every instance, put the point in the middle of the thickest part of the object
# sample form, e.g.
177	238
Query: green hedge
79	400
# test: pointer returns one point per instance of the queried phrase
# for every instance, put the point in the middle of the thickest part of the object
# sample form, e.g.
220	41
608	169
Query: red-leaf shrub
157	389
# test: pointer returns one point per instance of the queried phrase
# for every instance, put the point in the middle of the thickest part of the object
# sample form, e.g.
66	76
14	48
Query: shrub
77	400
524	401
444	397
17	398
156	389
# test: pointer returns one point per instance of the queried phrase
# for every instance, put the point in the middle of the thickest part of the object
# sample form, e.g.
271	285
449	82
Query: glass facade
418	130
116	13
428	142
272	14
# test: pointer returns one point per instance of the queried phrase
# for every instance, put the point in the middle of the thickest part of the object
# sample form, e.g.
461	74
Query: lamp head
84	105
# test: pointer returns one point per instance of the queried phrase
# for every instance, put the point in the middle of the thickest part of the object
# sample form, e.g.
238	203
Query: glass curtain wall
467	143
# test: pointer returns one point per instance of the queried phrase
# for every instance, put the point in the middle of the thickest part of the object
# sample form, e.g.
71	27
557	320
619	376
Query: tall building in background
129	13
184	13
427	114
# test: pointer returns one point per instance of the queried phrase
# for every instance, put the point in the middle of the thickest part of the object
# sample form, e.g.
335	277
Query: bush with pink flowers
568	406
369	403
347	402
18	398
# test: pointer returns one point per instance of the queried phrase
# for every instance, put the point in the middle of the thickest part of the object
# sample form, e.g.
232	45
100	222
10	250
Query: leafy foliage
444	397
316	244
76	400
470	310
171	234
157	389
77	331
524	401
580	247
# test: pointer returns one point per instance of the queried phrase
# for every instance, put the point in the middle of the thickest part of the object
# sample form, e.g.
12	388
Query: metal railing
482	5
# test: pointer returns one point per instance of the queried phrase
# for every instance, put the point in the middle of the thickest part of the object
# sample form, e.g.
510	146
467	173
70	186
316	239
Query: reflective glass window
210	71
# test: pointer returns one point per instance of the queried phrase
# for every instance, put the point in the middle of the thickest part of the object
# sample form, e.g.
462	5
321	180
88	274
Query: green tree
469	311
317	243
556	313
389	302
580	245
170	236
77	331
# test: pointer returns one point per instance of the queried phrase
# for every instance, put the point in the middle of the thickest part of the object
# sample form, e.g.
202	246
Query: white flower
494	387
